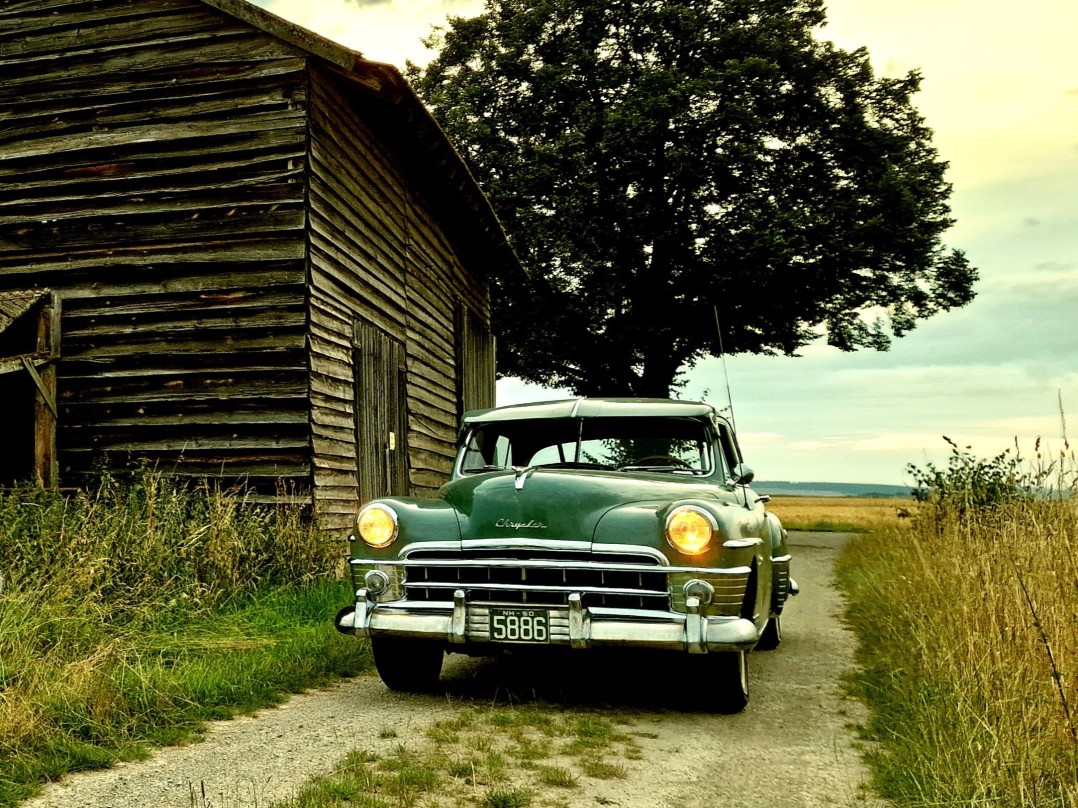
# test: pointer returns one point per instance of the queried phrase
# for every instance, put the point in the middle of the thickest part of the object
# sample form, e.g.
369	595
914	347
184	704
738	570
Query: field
843	514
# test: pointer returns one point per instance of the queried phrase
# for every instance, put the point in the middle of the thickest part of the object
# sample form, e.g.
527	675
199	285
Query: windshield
663	444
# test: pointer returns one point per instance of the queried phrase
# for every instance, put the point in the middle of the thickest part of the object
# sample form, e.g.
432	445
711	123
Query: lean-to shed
232	249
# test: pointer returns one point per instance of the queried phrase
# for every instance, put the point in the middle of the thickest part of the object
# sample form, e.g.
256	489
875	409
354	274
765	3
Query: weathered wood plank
113	168
98	29
372	301
158	132
236	299
162	344
325	416
208	279
257	415
330	387
163	254
97	235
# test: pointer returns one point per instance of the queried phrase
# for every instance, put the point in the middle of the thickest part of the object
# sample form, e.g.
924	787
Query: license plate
519	625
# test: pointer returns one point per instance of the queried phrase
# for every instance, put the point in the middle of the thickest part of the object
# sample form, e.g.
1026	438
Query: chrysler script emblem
529	525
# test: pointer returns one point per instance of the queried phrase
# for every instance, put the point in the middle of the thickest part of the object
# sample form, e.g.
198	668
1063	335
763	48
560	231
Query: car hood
560	505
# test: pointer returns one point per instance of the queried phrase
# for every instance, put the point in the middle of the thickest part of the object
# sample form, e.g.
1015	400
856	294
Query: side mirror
743	475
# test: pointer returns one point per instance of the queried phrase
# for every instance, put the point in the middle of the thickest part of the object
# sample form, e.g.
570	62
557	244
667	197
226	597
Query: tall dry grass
968	628
130	613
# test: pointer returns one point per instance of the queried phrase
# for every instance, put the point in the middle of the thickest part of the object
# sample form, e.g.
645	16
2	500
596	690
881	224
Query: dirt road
791	748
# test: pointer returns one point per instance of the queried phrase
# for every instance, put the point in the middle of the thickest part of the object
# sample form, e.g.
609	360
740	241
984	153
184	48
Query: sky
1000	91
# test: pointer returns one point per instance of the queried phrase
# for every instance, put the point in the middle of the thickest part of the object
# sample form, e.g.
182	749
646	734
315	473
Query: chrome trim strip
546	564
528	587
631	549
741	544
452	546
524	544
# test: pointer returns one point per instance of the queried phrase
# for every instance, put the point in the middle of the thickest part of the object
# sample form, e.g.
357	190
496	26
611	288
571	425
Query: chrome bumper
459	623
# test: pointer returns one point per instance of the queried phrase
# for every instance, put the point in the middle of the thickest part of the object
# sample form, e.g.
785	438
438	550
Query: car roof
592	408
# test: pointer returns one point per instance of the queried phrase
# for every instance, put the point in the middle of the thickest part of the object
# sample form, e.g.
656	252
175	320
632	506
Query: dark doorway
17	393
28	349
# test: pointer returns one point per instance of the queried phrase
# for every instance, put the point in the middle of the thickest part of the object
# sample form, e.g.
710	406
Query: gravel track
791	748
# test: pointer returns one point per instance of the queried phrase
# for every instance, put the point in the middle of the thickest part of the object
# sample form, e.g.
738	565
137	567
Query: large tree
661	165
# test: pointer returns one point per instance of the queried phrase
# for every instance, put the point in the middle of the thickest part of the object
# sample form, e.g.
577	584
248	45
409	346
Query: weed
558	777
508	798
601	769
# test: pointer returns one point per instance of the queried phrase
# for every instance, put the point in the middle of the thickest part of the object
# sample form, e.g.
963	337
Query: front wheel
731	682
411	666
721	682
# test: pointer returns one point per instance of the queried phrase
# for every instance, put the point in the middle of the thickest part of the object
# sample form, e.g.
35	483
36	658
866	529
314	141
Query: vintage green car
578	524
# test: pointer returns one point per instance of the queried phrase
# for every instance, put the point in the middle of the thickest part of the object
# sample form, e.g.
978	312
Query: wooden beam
46	467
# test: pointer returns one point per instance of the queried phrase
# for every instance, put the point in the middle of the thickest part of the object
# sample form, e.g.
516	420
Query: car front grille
536	578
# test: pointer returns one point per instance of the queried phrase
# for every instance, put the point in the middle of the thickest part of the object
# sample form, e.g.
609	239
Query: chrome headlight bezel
390	528
691	511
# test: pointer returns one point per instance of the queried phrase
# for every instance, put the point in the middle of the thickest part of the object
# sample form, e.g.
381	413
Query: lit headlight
690	529
377	525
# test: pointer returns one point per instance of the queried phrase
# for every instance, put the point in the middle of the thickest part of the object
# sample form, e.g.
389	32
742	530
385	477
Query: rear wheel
412	666
771	636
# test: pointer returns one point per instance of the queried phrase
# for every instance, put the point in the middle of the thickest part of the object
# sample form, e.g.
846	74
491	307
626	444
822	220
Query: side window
486	449
728	450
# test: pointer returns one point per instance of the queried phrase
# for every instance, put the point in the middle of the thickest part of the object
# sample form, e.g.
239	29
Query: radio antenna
725	372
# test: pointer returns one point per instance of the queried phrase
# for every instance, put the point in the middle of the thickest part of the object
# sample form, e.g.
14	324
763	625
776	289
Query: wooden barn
231	249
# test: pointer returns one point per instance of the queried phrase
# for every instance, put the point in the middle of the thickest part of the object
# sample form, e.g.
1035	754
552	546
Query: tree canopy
660	164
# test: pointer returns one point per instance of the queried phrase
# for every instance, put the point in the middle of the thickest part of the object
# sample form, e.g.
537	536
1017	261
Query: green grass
133	614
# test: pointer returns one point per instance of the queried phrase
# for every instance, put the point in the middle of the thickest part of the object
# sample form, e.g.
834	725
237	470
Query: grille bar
533	588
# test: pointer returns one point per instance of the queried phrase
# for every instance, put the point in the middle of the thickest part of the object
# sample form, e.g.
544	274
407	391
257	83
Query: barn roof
14	304
410	118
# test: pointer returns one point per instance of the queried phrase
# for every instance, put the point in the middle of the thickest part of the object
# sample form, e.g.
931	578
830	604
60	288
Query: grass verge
132	615
968	643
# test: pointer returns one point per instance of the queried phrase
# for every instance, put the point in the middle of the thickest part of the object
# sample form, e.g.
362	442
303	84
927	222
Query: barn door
381	413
